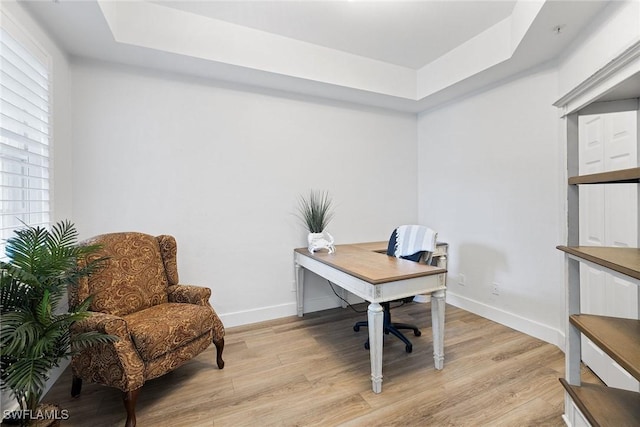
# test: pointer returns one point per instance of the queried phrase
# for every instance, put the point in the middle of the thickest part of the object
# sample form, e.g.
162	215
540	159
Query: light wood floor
314	371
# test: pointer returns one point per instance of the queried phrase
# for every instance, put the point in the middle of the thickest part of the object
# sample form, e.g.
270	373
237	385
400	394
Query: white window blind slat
13	77
17	182
12	124
12	139
21	94
24	132
19	55
23	111
38	164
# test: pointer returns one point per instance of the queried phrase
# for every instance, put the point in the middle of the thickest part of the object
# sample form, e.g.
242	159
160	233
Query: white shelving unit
589	404
615	85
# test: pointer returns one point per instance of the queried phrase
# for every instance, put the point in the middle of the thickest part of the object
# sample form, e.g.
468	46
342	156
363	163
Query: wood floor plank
314	371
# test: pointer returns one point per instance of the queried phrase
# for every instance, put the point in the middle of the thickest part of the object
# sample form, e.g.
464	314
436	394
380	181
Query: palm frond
85	340
27	377
23	249
43	309
88	266
62	235
82	307
34	336
14	293
19	332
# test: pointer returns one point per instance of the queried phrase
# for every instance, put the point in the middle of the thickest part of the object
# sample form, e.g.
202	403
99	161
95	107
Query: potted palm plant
316	211
34	335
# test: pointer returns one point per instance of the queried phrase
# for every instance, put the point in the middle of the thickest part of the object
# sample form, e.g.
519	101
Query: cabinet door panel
591	144
593	295
592	220
623	298
621	151
621	215
608	217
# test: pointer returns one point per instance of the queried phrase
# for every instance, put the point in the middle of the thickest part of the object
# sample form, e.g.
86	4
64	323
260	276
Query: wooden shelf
622	260
605	406
620	177
619	338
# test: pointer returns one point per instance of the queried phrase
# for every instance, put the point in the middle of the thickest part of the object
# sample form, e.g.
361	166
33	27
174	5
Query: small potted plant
316	211
34	334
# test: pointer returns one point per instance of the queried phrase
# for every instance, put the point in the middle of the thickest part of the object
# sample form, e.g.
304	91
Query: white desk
375	277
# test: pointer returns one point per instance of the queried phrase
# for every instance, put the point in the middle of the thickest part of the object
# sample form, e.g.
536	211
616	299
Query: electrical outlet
461	279
495	289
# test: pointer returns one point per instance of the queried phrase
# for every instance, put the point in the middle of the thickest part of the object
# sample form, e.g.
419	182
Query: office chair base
408	347
391	328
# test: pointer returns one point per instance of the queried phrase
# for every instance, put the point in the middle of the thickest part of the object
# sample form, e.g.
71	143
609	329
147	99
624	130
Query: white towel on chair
414	238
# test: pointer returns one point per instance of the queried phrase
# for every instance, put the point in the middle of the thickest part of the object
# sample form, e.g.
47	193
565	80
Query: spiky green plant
316	210
34	336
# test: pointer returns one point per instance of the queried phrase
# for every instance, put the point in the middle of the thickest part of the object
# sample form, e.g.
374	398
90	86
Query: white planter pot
319	241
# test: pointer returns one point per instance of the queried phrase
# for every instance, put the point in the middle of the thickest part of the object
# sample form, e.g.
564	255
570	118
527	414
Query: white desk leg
300	289
344	294
375	317
437	323
442	262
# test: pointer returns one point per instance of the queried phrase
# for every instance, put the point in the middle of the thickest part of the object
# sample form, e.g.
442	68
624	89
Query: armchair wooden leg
130	398
76	386
219	347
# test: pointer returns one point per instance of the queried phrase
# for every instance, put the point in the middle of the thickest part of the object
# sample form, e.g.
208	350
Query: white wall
497	200
220	167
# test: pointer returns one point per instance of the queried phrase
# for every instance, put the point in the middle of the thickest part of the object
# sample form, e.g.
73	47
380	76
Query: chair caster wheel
356	328
409	348
366	345
417	333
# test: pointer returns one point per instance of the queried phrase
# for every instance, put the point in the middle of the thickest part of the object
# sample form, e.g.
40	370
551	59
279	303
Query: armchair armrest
199	295
115	364
190	294
103	323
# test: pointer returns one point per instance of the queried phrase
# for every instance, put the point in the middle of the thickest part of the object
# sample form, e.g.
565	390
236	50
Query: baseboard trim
511	320
263	314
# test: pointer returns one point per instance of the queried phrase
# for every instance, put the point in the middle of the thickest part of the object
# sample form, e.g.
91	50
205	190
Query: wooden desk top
364	262
373	246
382	246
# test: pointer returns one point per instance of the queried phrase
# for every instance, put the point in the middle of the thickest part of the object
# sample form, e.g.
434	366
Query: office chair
413	243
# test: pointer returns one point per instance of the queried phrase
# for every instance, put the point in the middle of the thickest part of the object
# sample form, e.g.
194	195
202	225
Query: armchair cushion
163	328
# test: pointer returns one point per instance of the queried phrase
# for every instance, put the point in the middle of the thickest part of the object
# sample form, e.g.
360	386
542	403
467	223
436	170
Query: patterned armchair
160	324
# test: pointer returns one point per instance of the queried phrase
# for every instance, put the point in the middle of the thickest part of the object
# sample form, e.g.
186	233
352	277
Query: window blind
24	134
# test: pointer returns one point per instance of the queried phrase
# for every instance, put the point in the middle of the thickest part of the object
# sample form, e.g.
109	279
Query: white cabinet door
608	217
